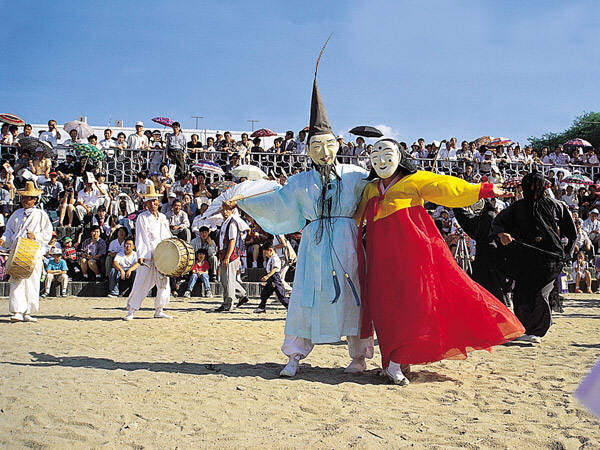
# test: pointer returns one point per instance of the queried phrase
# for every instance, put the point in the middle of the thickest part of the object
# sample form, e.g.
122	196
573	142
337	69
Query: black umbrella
366	132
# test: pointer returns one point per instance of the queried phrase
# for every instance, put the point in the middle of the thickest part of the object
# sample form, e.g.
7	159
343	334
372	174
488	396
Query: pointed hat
319	123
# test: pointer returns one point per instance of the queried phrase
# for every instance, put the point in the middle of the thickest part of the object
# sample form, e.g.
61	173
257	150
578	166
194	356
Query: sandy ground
81	377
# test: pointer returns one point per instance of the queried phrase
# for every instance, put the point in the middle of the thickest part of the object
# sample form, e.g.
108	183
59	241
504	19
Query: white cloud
388	131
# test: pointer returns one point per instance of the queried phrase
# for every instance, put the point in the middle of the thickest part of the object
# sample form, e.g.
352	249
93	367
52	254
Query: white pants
285	266
145	279
62	278
357	348
24	294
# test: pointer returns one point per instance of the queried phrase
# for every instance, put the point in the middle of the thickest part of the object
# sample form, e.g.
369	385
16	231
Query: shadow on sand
266	371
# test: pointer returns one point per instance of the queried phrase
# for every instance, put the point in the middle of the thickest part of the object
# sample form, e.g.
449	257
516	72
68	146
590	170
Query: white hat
140	123
436	143
339	136
56	251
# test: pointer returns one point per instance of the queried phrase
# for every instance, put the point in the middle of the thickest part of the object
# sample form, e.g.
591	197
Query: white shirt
149	232
277	241
300	147
22	221
49	137
116	247
108	145
273	263
137	142
126	262
89	199
142	188
561	159
187	188
591	227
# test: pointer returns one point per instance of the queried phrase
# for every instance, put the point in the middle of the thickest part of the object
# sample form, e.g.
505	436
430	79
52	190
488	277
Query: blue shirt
53	265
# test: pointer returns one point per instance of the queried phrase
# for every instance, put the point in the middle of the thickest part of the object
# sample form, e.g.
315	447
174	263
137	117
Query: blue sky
434	69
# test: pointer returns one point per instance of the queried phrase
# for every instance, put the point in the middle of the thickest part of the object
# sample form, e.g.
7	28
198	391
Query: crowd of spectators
94	219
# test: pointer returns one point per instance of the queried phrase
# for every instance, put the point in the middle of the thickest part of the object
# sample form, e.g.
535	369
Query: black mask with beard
325	202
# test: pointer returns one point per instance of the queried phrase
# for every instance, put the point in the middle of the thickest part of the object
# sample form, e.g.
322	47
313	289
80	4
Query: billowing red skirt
423	307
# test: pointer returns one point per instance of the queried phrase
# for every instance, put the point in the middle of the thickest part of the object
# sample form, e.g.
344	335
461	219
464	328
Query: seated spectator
69	252
204	242
592	227
590	158
179	222
183	186
235	162
124	266
103	190
582	241
581	272
123	206
66	169
188	206
569	196
255	238
200	270
165	177
558	158
87	202
67	204
41	166
160	187
100	219
93	251
56	269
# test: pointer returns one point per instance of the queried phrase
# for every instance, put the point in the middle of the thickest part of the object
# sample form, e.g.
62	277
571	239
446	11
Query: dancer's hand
31	235
505	238
499	192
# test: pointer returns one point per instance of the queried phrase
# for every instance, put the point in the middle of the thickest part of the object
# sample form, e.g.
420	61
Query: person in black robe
531	231
485	266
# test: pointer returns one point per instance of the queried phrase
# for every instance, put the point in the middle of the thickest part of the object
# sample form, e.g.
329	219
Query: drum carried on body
173	257
21	260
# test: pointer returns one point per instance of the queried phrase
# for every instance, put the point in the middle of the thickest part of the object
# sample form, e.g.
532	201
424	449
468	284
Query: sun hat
30	190
139	123
150	194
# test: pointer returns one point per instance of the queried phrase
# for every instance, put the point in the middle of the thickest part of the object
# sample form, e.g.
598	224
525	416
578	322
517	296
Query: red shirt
200	267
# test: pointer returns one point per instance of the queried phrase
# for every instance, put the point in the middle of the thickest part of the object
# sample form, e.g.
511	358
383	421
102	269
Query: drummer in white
151	227
33	223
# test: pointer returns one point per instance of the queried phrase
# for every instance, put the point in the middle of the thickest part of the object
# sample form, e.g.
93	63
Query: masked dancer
422	305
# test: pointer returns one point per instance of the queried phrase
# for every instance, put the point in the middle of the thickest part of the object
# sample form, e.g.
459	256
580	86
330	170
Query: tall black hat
319	123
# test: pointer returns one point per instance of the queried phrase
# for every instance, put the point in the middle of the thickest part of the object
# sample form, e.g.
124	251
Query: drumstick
237	199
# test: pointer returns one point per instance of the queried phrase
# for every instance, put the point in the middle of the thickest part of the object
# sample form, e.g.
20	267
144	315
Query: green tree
586	126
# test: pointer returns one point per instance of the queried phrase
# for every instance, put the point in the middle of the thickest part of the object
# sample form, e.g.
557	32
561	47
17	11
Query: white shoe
292	367
187	294
28	318
129	316
357	365
161	315
394	373
17	317
529	338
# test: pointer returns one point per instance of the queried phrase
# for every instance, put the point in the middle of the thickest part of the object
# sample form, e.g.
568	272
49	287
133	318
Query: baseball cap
53	174
594	211
56	251
67	239
140	123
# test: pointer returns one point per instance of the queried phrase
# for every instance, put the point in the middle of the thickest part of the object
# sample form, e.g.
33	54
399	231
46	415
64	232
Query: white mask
323	148
385	158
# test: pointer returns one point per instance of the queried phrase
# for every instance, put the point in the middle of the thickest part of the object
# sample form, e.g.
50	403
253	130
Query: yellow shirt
415	189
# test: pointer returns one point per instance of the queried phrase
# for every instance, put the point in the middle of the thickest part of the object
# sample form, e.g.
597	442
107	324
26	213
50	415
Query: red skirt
423	306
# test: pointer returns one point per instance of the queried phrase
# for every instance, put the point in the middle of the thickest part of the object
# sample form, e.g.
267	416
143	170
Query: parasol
500	141
578	179
248	171
90	151
512	183
163	121
245	189
84	131
208	166
366	131
263	132
31	144
11	119
578	143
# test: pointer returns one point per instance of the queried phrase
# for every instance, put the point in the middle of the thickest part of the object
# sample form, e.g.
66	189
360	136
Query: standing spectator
179	222
138	140
176	144
93	251
108	144
558	158
301	142
52	136
244	147
200	270
123	270
272	280
590	158
592	227
157	151
227	144
27	129
115	247
56	269
194	145
73	139
289	144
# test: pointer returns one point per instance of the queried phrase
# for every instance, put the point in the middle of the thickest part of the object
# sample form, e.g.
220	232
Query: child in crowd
581	272
124	266
56	269
70	256
272	280
199	270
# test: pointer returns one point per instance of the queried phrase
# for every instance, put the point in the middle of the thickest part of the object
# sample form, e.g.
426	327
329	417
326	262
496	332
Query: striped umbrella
578	179
578	143
263	132
208	166
500	141
11	119
512	183
163	121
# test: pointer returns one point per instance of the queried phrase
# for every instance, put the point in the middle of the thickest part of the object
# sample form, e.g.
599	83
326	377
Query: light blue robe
311	313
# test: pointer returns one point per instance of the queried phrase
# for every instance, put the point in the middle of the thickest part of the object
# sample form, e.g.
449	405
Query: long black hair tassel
356	296
336	286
